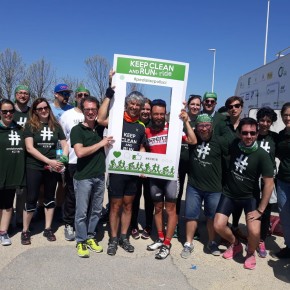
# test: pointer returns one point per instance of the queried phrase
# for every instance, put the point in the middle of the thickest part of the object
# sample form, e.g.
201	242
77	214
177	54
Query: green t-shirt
205	167
12	156
45	141
227	130
184	153
283	153
245	169
93	165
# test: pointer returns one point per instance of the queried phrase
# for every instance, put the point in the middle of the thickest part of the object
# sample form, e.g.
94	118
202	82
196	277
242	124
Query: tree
12	71
73	83
134	87
98	69
41	78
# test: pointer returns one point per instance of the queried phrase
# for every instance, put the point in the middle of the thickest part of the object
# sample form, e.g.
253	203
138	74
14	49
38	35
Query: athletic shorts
229	205
7	198
120	185
161	189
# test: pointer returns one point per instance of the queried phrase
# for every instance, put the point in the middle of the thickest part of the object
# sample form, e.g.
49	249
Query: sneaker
125	244
135	234
48	233
175	234
213	248
112	247
239	235
155	245
25	238
261	250
94	246
232	251
5	240
163	252
83	250
250	262
146	233
69	234
283	253
187	250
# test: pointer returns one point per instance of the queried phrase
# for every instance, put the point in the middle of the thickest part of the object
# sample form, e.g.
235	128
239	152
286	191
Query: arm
104	109
190	136
82	151
64	147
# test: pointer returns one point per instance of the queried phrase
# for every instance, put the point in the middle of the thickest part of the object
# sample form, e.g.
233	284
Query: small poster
170	75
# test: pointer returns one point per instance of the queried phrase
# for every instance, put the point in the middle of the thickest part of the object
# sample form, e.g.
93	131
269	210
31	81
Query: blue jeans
89	202
283	198
193	203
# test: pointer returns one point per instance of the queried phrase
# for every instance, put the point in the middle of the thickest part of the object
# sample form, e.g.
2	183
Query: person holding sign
122	188
163	192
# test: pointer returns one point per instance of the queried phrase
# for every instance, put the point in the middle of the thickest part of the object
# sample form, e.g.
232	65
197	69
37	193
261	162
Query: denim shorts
194	199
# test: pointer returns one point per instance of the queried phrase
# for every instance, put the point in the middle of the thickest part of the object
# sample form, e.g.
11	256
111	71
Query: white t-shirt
68	120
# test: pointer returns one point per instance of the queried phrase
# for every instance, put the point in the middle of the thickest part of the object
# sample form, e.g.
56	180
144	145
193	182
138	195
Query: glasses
64	94
237	106
23	93
202	126
80	95
209	102
42	109
90	109
246	133
285	115
5	112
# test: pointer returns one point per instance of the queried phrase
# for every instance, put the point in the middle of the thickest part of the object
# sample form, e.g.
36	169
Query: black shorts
229	205
121	184
6	198
161	189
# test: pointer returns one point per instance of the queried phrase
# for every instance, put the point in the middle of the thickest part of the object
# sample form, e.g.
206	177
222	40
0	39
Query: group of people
229	160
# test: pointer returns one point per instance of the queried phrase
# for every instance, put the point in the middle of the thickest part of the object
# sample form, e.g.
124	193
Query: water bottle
58	150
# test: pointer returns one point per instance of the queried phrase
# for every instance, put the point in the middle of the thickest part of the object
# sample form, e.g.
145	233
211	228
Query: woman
283	180
193	107
267	140
42	133
145	118
12	165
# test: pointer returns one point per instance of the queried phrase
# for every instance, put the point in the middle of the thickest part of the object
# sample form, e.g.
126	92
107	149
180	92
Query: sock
2	233
167	242
123	236
160	235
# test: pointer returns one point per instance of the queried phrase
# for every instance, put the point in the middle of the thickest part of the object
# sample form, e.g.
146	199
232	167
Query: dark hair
266	112
89	99
192	97
159	103
223	109
247	121
285	107
6	101
232	99
147	101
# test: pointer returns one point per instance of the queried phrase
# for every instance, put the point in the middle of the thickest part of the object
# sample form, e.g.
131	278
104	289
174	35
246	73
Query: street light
213	68
266	38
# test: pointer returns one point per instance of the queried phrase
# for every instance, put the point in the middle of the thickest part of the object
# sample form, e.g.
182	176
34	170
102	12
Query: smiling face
158	117
235	109
194	106
209	105
145	113
264	125
286	118
90	111
133	108
22	97
248	134
42	111
6	114
204	130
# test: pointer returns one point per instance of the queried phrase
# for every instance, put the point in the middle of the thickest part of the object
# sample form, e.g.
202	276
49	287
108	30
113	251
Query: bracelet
260	212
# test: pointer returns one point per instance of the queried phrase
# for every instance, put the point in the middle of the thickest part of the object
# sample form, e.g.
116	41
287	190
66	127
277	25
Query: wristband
260	212
110	93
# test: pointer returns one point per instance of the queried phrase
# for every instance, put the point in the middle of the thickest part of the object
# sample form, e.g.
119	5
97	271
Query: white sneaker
156	245
163	252
187	250
5	240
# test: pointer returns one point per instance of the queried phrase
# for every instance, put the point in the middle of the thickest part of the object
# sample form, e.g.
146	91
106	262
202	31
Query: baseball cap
62	88
82	89
208	95
21	88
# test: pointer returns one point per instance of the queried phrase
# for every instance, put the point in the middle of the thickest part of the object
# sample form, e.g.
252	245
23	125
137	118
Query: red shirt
157	140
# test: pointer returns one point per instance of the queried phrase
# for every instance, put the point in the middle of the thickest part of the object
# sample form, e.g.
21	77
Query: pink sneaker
250	262
262	252
232	251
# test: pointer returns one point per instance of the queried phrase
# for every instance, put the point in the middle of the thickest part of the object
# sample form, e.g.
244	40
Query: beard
157	126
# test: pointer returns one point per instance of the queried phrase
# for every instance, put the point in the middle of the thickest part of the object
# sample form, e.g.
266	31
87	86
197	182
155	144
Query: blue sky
66	32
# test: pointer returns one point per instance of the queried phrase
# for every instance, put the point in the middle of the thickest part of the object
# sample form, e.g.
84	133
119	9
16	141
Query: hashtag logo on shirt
22	121
14	138
241	164
265	146
46	134
203	150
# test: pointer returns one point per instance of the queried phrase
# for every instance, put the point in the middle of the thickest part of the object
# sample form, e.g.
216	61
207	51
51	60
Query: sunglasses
64	94
5	112
209	102
42	109
80	95
246	133
237	106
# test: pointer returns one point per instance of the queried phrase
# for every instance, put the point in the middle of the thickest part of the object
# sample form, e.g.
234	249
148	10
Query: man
209	103
89	177
163	192
61	98
68	120
248	162
22	97
204	182
122	188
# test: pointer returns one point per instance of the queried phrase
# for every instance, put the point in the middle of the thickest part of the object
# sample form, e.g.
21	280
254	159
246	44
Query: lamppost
266	37
213	68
